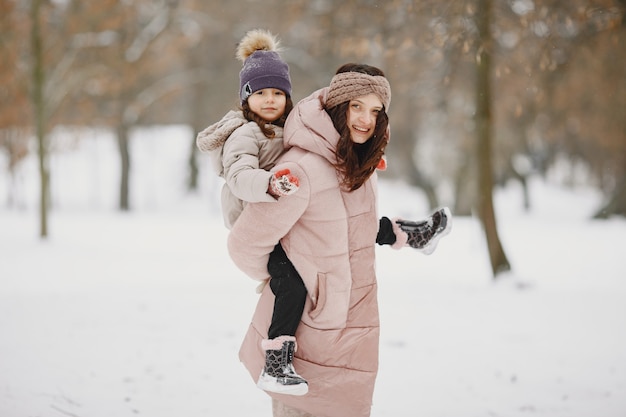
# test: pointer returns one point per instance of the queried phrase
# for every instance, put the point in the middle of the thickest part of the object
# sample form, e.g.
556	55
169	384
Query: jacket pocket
320	298
329	304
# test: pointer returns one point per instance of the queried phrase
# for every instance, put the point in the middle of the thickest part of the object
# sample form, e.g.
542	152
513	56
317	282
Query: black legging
289	289
290	292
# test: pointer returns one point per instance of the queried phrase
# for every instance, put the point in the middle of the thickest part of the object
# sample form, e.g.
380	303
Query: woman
328	229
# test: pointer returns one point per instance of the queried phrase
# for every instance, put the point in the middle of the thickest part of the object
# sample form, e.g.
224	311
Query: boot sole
268	383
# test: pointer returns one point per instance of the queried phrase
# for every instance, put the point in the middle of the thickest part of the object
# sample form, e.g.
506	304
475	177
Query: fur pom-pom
256	40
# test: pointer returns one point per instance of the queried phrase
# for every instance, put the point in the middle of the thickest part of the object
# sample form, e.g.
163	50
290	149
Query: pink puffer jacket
329	235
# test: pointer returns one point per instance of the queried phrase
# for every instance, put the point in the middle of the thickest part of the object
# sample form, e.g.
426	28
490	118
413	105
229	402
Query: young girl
244	146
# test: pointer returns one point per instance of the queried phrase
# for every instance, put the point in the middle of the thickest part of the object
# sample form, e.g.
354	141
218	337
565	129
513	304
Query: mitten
282	183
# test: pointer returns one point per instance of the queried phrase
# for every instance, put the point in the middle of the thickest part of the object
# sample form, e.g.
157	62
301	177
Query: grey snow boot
279	375
424	235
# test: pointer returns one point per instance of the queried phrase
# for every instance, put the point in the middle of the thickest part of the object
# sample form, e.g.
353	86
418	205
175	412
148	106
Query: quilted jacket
242	155
329	234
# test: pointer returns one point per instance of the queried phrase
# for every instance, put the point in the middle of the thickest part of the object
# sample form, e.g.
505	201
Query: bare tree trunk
616	204
198	121
523	179
465	189
499	262
122	141
38	80
401	151
194	170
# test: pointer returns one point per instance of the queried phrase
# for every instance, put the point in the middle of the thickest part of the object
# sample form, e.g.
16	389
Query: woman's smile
362	114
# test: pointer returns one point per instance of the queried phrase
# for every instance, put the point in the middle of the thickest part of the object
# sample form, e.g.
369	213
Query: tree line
484	91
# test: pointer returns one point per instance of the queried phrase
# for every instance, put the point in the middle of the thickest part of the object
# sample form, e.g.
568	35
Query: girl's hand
282	183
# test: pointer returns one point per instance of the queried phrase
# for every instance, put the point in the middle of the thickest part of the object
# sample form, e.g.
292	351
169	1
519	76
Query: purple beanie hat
262	65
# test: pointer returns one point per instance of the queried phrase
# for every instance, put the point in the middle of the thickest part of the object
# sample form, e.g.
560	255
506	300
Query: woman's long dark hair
263	124
357	162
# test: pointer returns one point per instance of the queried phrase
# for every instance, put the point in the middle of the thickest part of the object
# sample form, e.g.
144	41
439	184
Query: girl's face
362	114
268	103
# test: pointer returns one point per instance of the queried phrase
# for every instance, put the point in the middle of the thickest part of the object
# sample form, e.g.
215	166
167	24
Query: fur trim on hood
213	137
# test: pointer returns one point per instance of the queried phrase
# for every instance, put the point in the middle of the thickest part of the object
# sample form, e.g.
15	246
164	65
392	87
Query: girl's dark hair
263	124
357	162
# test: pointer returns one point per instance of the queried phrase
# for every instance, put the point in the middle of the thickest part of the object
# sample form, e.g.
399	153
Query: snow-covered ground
142	314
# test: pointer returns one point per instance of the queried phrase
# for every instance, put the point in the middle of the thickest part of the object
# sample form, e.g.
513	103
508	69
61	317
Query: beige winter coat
242	155
328	234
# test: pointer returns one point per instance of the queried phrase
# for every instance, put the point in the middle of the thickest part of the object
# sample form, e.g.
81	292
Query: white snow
142	313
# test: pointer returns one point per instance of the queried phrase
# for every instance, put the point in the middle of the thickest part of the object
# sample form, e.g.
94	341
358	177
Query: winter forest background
511	112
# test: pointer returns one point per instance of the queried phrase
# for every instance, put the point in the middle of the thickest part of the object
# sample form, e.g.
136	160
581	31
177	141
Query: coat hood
309	127
211	140
214	136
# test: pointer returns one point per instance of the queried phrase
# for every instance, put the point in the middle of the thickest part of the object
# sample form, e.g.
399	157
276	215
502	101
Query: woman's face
268	103
362	114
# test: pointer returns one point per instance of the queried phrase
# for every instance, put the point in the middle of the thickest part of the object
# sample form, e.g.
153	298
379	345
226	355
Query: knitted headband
347	86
